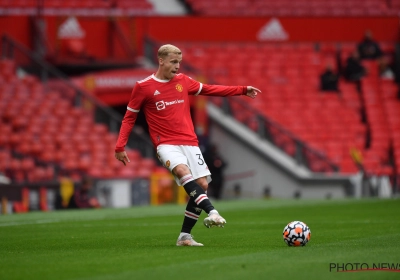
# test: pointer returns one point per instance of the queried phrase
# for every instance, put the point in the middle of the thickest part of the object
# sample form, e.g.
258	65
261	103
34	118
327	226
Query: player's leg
214	219
198	201
182	161
195	191
193	210
186	163
171	157
201	174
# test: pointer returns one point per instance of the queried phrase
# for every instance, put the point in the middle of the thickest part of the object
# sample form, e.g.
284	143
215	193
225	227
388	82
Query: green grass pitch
139	242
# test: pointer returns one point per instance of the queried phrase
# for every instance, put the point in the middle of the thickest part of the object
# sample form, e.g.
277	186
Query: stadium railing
280	137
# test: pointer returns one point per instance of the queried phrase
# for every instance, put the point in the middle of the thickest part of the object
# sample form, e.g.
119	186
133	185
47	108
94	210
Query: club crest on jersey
193	193
179	87
168	163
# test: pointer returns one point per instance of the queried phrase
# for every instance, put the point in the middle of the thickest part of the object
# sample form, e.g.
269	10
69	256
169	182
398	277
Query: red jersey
165	104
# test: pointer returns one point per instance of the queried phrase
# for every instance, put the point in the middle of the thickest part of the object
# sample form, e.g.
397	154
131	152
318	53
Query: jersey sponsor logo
273	31
179	87
162	104
156	92
177	101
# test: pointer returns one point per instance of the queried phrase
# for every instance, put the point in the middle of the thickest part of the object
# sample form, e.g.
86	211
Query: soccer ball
296	234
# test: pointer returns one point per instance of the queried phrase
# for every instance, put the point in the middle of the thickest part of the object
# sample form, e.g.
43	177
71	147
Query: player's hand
252	92
122	156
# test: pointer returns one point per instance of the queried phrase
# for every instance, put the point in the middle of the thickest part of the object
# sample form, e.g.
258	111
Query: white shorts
171	156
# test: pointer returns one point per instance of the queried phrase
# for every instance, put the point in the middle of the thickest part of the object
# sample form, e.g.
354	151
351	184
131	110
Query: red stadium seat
331	122
290	8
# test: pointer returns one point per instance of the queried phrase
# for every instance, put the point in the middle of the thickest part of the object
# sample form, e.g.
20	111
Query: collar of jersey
159	80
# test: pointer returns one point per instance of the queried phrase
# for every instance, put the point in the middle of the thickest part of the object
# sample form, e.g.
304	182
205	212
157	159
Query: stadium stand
84	7
44	136
354	130
288	75
294	8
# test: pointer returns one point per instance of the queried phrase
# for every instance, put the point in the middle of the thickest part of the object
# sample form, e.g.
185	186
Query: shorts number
201	162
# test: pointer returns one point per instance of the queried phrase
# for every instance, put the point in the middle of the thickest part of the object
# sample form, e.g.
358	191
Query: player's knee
181	170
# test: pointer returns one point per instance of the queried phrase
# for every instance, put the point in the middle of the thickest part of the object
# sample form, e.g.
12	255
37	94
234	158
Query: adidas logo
156	92
272	30
70	29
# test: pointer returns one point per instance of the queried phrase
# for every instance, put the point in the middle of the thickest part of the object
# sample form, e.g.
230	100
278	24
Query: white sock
213	212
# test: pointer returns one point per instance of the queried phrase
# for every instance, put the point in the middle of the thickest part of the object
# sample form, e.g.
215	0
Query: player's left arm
196	88
219	90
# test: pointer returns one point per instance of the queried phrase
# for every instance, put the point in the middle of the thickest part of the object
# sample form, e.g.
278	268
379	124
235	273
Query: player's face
170	65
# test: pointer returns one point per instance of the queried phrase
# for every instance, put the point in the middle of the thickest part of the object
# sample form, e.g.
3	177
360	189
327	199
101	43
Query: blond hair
165	50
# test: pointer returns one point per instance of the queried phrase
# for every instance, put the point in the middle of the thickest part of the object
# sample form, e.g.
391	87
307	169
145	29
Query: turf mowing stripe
159	211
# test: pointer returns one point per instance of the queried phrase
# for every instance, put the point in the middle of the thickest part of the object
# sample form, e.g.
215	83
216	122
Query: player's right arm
126	128
128	122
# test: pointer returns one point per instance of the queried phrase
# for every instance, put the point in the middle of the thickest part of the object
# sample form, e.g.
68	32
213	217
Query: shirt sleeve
218	90
130	117
137	98
196	88
126	128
